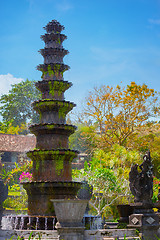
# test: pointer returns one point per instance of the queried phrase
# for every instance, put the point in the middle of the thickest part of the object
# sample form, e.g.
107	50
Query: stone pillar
146	221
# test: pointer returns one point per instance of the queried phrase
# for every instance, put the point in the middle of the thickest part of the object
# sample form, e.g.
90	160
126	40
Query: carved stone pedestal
146	221
69	213
124	210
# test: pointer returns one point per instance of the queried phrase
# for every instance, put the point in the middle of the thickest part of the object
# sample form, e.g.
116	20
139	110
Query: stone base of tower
40	193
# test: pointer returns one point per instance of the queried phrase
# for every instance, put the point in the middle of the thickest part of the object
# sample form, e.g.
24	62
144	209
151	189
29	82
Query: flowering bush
156	183
13	177
25	177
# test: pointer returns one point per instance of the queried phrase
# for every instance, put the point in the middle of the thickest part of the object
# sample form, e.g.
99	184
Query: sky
110	41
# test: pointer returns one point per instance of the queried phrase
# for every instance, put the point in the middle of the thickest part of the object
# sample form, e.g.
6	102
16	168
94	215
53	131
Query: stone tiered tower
52	177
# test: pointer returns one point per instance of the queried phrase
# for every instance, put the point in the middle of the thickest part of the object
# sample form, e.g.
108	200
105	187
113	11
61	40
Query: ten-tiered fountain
52	172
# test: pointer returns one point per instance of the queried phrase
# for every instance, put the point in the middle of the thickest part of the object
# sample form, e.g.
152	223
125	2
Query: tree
16	105
147	138
108	172
118	112
106	188
8	128
83	139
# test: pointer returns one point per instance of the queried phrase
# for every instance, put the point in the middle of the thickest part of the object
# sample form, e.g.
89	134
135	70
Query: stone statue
141	180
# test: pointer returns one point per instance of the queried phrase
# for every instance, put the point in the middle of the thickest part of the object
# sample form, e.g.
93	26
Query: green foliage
117	158
8	128
122	225
16	105
105	186
148	137
17	198
83	139
12	177
31	237
156	184
108	172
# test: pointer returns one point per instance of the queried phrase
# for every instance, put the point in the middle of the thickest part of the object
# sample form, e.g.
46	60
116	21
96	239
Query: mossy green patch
51	88
59	164
58	157
58	86
54	70
63	110
62	107
37	166
58	41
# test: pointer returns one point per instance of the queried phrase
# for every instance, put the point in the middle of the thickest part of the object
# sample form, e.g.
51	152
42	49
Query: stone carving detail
135	220
150	220
141	182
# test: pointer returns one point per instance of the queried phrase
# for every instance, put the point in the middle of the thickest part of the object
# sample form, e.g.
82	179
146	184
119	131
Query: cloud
154	21
6	81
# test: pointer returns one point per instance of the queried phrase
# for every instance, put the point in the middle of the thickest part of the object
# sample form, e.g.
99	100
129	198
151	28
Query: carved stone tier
54	26
53	51
53	55
52	165
51	136
53	89
53	111
40	193
53	71
53	38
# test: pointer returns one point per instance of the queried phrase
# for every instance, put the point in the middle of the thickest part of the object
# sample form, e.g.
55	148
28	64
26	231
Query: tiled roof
17	143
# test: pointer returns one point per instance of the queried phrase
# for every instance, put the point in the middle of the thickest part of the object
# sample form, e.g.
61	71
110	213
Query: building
13	148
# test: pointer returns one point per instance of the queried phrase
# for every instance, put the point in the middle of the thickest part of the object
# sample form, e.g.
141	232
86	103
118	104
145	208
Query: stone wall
104	234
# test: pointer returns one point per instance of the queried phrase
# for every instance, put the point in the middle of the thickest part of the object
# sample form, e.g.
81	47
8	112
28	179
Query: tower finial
54	26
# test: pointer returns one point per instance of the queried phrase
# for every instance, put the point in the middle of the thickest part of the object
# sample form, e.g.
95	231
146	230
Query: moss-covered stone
58	86
53	70
56	155
62	107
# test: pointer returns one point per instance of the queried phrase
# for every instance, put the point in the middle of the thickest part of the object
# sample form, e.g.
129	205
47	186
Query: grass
31	237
